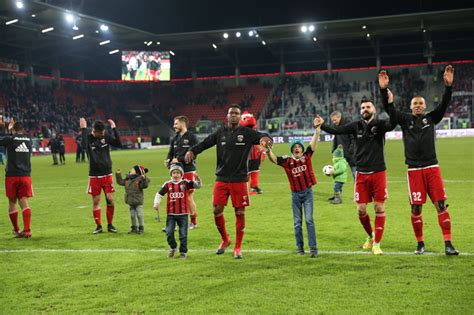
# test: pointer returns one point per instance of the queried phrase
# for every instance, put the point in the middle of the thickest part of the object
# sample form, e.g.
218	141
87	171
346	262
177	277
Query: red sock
365	221
96	215
220	224
110	214
14	219
444	221
239	230
194	217
254	179
417	223
379	226
26	219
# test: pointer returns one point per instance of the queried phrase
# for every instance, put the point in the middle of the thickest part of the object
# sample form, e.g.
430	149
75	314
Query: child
134	183
177	207
300	174
339	173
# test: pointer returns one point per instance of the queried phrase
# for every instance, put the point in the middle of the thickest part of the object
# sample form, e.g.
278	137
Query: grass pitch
63	268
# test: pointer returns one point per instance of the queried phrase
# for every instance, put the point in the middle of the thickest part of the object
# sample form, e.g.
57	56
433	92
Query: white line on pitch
265	251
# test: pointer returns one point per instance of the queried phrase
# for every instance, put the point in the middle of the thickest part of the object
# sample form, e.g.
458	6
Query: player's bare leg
417	223
444	221
220	224
364	219
379	226
239	231
13	213
26	212
193	208
96	214
109	197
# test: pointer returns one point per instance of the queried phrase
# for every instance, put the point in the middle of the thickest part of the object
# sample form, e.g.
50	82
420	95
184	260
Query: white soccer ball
328	170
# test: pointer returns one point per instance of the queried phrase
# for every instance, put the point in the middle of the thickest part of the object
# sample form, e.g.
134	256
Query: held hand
390	96
318	121
266	142
188	157
156	207
174	161
83	123
111	123
167	163
119	171
448	75
383	79
10	124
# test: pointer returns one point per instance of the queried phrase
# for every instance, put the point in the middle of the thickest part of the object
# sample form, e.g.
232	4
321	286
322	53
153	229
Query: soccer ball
328	170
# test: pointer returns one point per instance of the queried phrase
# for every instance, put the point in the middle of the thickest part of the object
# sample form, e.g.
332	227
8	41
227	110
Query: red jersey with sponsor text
299	171
178	192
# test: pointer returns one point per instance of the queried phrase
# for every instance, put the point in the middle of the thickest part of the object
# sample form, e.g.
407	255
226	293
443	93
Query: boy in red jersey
300	174
177	207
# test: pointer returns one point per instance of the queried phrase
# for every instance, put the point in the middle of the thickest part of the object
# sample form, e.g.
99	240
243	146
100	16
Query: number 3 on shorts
356	196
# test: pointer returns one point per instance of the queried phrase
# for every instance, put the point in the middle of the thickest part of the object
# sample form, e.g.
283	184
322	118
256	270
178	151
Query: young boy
135	181
177	207
339	173
300	174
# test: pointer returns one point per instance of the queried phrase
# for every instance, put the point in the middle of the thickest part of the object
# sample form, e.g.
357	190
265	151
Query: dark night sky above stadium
159	16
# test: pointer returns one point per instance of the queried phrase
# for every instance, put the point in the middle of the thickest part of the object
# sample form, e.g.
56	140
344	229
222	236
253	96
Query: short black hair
234	106
18	126
366	99
98	125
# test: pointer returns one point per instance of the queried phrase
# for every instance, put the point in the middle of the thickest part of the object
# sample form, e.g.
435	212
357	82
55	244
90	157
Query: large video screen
146	66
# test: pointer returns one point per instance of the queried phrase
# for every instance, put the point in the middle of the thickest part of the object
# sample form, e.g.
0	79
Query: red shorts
97	183
190	176
18	187
153	73
425	180
370	187
238	193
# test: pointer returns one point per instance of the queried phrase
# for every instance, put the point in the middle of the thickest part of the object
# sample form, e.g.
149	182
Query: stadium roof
443	35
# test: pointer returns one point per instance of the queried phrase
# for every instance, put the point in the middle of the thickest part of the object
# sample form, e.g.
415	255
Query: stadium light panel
172	52
78	37
214	45
368	35
104	28
364	27
311	28
237	34
225	35
113	51
75	27
315	39
424	30
304	29
46	30
158	43
149	43
264	43
20	4
105	42
251	33
33	15
11	22
97	31
69	17
256	35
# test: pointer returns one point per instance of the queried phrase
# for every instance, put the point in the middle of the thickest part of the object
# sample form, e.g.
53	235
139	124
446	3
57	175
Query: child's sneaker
133	230
141	229
171	252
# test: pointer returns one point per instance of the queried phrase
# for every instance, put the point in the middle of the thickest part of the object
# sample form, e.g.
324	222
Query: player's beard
367	116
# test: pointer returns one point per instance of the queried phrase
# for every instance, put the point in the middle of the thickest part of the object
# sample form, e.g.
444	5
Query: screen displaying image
146	66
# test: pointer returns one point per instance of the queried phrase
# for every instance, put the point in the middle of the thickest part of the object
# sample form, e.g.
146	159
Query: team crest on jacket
185	141
240	138
424	121
102	140
373	130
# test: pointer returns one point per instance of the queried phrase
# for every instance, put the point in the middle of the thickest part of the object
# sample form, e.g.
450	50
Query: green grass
145	280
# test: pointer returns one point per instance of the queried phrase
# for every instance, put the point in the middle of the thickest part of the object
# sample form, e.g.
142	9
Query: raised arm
314	140
118	178
84	133
438	113
114	139
396	117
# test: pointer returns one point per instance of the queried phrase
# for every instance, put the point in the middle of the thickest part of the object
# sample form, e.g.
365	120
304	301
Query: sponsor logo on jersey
176	195
22	148
240	138
299	169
